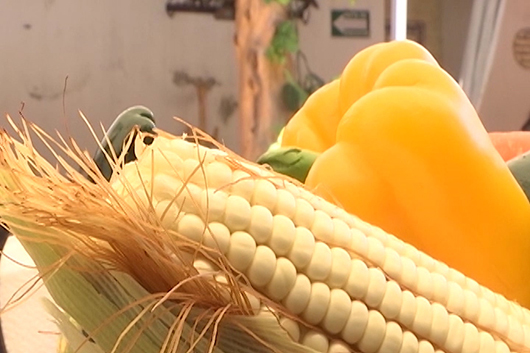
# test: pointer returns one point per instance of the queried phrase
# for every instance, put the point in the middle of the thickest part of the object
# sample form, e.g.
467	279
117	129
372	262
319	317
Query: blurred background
239	68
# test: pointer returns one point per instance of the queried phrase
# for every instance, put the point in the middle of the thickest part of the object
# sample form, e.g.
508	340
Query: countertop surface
27	327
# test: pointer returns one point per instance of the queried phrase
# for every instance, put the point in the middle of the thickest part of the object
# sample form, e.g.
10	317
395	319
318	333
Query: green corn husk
115	286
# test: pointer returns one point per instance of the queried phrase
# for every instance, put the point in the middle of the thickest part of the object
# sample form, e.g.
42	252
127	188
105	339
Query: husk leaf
113	271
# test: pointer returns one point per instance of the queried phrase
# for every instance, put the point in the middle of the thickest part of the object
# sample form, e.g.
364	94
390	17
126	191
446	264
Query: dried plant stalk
116	272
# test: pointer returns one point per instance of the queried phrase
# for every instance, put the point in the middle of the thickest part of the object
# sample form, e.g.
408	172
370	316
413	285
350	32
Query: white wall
116	54
505	102
455	24
124	52
328	55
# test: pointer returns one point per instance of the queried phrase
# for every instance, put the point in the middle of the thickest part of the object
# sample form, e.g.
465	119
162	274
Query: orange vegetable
511	144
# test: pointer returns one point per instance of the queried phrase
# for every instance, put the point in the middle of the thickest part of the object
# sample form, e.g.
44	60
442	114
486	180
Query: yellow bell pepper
412	157
314	125
308	129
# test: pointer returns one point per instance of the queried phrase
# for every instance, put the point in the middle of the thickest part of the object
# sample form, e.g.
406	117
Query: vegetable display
412	157
185	248
215	238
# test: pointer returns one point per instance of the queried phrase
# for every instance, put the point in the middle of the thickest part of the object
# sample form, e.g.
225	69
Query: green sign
350	23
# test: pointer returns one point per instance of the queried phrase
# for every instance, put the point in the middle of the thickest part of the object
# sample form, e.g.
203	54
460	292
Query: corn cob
337	283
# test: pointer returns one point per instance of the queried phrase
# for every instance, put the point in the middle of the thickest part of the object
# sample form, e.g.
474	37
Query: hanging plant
299	87
266	37
284	42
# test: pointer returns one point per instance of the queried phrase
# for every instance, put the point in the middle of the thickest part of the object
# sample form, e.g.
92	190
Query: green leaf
283	2
284	42
293	162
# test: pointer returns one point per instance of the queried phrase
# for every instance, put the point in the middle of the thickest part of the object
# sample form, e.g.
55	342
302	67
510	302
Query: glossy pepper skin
412	157
308	129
